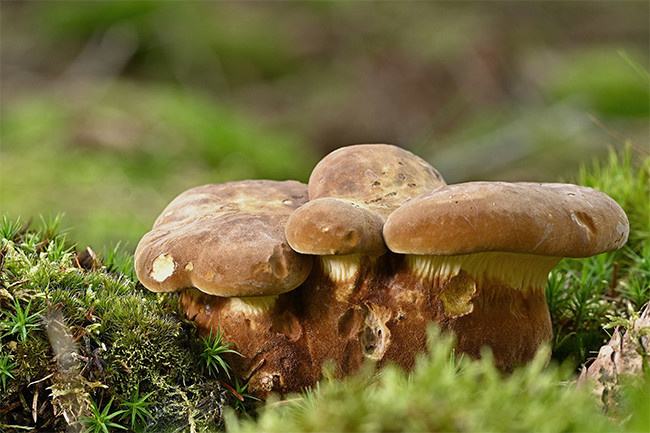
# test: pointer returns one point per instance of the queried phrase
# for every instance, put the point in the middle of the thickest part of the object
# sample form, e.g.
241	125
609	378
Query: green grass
6	370
136	409
214	347
101	421
20	322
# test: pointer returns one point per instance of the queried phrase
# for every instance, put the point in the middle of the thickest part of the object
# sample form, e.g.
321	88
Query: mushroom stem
266	333
490	299
333	310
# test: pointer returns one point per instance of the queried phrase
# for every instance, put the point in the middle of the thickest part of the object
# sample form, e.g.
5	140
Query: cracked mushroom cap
381	177
225	240
547	219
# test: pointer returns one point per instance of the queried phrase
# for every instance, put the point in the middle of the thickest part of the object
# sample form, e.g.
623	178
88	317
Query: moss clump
586	295
443	394
94	335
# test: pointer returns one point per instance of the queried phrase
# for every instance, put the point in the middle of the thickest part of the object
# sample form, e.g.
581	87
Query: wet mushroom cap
379	176
329	226
546	219
225	240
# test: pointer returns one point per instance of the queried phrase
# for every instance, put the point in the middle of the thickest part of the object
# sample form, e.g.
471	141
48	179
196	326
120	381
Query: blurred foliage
109	109
112	160
600	82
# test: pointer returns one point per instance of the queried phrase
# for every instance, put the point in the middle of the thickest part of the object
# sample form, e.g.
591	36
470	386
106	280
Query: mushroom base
265	331
379	313
511	323
332	304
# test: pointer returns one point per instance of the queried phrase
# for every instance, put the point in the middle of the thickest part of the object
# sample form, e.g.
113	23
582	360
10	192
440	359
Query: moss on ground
93	335
78	332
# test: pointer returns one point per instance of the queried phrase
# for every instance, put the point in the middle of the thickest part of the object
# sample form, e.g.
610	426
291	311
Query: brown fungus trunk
265	331
489	300
512	324
398	311
333	311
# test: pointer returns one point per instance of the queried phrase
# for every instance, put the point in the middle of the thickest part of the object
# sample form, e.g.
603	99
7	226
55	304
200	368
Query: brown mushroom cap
379	176
329	226
546	219
225	240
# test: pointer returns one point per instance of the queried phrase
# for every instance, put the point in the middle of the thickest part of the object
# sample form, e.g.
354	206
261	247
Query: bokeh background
110	109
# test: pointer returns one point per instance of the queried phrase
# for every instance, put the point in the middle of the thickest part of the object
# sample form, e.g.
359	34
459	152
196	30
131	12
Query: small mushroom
225	245
352	190
485	250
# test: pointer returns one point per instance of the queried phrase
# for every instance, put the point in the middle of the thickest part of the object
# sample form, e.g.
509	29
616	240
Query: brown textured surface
335	226
544	219
383	319
227	240
274	355
512	324
334	317
411	309
380	176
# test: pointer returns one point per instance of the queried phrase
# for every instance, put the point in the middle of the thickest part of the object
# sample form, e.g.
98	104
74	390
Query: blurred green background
110	109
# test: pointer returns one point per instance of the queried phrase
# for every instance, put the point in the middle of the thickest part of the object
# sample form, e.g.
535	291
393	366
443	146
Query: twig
234	392
40	380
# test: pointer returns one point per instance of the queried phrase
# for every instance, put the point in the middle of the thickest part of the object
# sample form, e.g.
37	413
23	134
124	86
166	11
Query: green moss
583	295
101	337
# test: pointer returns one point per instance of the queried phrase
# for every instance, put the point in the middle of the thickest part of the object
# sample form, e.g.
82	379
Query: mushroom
225	245
396	249
352	190
485	249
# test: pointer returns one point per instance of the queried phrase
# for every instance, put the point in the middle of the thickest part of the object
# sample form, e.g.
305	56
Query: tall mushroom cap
380	176
546	219
351	192
225	240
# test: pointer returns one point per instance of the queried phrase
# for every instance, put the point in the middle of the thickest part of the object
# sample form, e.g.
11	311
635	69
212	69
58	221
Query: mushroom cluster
356	264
